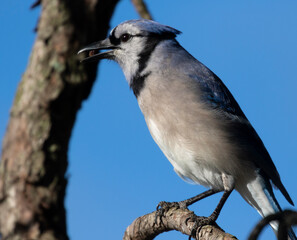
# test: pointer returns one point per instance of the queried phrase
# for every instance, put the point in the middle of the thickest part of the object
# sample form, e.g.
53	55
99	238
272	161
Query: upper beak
93	50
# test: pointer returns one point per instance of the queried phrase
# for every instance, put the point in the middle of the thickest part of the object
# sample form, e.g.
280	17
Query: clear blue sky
116	172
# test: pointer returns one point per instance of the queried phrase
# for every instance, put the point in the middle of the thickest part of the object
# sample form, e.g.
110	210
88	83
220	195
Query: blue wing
217	96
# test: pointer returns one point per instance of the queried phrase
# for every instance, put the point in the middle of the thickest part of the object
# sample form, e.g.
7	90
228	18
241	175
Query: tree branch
182	220
142	9
286	219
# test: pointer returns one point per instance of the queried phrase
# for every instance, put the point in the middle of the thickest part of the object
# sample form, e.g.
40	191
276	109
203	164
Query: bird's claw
198	223
163	206
167	205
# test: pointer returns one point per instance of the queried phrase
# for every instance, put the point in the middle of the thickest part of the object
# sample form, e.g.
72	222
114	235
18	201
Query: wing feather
217	96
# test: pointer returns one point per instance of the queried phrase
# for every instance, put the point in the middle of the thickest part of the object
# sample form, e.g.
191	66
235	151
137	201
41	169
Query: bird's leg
201	221
185	203
163	206
214	216
228	182
190	201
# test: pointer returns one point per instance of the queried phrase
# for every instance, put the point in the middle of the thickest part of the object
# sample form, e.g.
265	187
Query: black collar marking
137	82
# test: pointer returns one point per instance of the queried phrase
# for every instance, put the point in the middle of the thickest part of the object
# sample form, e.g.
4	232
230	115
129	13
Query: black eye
125	37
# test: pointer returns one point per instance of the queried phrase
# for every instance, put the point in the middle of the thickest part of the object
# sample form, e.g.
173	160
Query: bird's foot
207	220
167	205
199	222
163	207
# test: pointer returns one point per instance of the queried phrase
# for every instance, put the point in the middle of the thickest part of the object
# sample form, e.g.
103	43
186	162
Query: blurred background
116	171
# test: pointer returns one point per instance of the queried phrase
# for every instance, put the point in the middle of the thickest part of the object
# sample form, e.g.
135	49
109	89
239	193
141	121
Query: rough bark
34	155
148	227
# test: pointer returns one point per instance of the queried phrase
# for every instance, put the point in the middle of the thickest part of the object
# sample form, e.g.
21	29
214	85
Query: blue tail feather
275	205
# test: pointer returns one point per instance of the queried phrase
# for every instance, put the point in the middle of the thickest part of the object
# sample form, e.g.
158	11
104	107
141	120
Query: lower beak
93	51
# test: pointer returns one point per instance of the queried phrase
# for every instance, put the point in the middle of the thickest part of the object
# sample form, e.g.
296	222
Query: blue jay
192	116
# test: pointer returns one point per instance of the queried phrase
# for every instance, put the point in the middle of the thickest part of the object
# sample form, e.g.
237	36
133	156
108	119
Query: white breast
184	160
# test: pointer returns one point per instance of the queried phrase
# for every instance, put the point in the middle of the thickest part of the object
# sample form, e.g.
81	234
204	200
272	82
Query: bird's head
130	44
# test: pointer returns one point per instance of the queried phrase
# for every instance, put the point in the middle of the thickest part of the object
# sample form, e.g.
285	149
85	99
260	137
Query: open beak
93	51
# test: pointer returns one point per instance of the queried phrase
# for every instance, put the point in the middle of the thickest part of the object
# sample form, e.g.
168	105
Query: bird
192	116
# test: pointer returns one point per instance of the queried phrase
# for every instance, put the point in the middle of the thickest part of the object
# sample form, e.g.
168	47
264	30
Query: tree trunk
34	155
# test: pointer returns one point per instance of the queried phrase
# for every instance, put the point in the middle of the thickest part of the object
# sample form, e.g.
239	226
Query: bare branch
182	220
286	219
142	9
35	4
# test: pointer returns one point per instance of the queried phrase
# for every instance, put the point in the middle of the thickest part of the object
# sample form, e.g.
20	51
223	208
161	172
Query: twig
35	4
142	9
